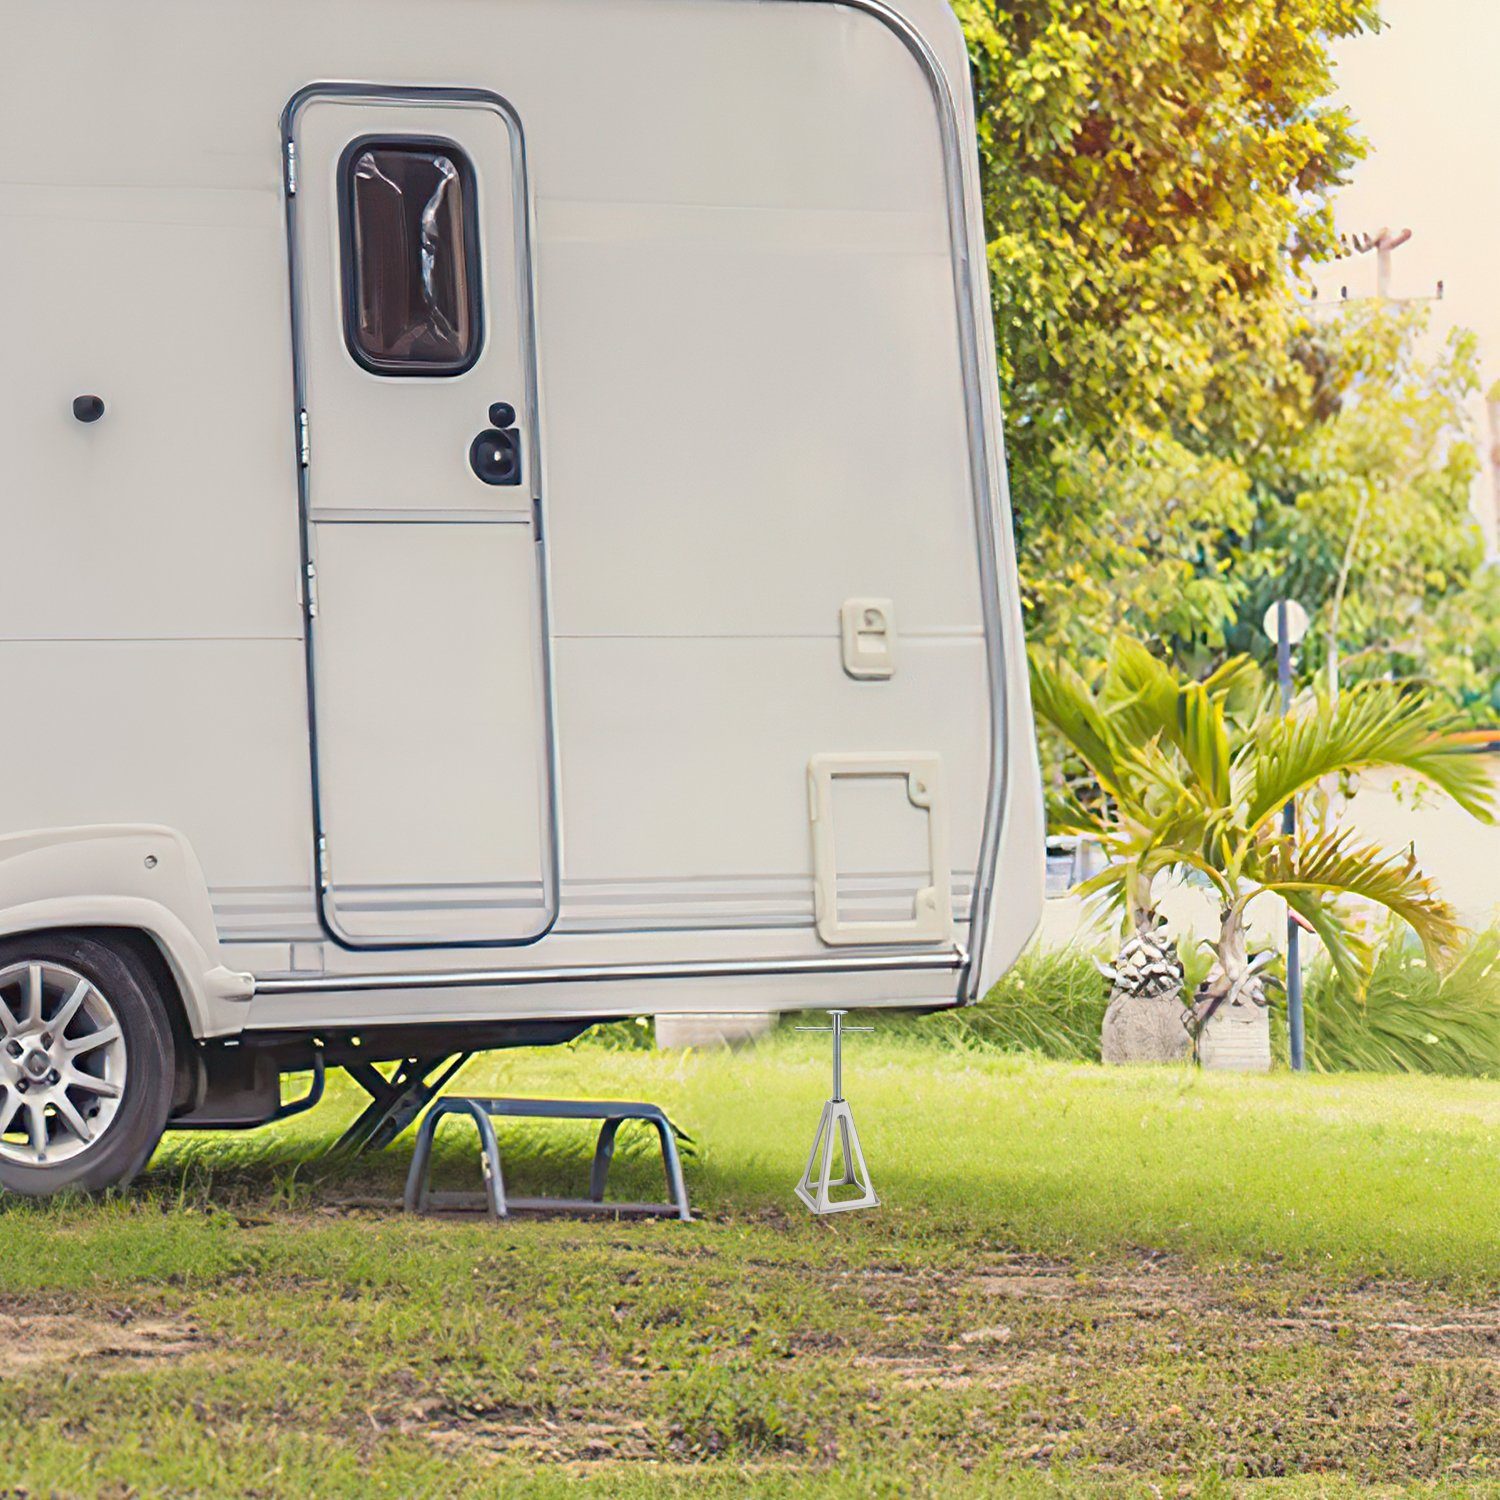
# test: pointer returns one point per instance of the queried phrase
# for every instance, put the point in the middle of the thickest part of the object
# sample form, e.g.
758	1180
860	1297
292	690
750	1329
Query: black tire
125	1145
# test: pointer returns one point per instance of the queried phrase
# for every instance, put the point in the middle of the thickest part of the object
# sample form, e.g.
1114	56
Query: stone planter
1237	1039
1145	1029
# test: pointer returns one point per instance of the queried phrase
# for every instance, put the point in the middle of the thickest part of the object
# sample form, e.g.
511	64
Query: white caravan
504	526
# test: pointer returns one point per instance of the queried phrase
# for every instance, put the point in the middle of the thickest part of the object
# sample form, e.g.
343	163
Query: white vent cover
913	786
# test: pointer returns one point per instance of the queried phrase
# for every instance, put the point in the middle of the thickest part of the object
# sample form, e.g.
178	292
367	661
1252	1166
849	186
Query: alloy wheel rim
62	1063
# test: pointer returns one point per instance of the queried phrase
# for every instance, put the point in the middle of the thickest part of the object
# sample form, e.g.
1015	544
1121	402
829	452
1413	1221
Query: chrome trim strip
952	961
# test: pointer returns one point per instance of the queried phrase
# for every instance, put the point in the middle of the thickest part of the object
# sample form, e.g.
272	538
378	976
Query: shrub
1412	1019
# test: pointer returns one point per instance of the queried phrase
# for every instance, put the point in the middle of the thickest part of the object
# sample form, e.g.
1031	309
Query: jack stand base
837	1119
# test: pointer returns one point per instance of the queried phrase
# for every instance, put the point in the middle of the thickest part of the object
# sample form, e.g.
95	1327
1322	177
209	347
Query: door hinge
312	589
304	450
324	878
291	169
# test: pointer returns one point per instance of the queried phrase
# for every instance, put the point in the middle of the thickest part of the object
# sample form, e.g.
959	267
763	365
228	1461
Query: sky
1426	92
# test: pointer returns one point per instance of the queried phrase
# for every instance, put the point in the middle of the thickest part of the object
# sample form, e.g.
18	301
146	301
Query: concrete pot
1144	1029
1237	1039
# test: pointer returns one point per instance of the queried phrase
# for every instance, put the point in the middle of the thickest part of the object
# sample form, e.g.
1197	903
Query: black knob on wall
495	457
88	408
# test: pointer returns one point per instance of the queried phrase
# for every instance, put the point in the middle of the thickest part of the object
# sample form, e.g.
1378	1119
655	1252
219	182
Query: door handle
495	454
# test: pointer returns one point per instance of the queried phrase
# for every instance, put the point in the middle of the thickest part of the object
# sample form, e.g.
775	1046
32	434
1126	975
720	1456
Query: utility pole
1492	406
1295	1024
1382	243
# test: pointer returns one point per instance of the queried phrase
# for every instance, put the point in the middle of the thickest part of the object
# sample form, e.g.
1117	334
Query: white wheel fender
125	875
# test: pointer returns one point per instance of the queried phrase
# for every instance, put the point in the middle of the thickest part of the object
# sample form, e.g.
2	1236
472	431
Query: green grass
1079	1280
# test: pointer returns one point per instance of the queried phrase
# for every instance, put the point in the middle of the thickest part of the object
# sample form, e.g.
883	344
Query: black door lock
495	455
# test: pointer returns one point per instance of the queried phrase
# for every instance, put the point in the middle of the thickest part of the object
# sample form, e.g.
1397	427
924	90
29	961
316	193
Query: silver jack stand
837	1119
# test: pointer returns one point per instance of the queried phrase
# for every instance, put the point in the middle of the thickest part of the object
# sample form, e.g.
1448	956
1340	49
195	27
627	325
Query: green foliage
1463	648
1146	166
1411	1019
1187	439
635	1035
1363	501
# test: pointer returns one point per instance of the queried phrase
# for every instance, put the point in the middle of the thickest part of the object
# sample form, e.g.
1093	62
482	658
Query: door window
410	248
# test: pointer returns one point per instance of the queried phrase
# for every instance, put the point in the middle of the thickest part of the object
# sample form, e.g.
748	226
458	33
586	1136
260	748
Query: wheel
86	1065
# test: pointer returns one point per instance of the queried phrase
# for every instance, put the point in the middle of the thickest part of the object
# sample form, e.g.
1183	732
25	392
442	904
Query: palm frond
1315	873
1061	698
1372	724
1111	885
1203	738
1348	949
1139	692
1239	686
1066	814
1147	703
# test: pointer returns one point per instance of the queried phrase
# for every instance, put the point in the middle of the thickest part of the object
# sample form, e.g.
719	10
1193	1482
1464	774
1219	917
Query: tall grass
1411	1020
1051	1004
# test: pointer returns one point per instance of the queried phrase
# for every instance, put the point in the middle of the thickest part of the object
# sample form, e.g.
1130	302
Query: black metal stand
395	1101
612	1114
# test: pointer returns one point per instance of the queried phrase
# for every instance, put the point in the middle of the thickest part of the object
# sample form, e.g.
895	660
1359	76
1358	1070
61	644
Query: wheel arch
141	883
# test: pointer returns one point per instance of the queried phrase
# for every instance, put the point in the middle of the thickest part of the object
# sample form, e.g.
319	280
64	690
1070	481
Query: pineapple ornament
1146	1021
837	1119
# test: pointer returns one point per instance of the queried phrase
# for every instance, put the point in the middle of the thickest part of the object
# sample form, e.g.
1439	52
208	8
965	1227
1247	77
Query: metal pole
838	1053
1294	1020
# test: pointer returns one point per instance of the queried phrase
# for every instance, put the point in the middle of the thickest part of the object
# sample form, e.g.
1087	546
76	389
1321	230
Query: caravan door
428	671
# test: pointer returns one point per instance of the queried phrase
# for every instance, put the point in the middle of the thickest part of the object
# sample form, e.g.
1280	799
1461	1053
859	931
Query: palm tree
1209	766
1120	804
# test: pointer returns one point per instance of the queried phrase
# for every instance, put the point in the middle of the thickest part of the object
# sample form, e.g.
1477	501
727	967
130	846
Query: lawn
1079	1280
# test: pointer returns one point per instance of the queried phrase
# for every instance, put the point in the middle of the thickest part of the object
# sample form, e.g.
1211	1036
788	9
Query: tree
1185	436
1462	648
1153	173
1118	801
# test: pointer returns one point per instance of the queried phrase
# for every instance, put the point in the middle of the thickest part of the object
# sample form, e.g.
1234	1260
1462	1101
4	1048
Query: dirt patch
1413	1321
33	1339
567	1438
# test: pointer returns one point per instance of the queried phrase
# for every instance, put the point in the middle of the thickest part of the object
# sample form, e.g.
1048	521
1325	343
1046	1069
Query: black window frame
473	276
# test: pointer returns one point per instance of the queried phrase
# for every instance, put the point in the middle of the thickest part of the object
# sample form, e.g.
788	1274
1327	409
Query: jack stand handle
838	1029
